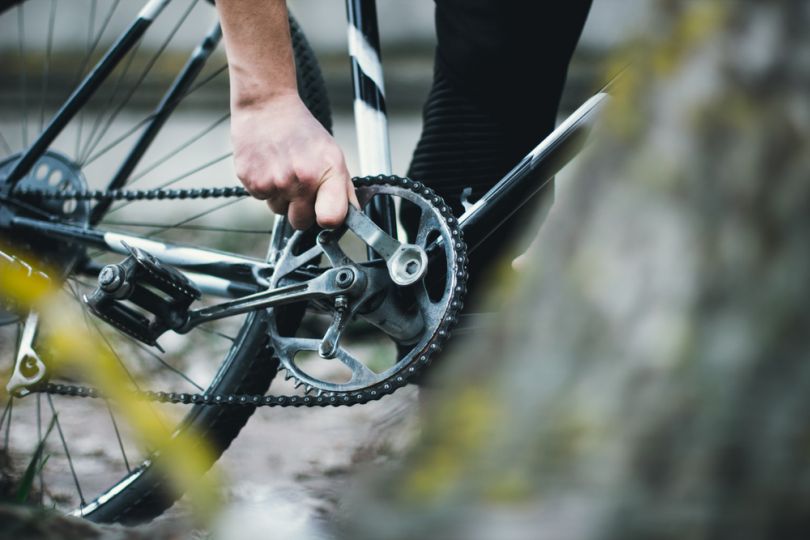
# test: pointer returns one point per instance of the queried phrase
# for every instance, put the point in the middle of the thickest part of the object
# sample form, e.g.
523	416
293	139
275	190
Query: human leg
499	74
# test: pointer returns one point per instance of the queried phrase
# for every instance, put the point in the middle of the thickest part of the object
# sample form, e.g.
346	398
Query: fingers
301	214
278	206
332	202
326	200
352	195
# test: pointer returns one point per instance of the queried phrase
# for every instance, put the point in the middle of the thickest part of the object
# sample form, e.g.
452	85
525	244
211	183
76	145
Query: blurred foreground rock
32	523
650	377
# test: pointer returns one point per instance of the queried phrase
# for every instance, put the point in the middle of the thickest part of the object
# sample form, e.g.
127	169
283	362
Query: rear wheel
46	46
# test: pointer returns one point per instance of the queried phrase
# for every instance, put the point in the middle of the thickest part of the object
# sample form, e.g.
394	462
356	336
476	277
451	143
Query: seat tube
371	120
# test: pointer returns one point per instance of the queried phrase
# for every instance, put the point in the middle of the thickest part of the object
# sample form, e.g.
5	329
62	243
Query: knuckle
284	182
334	157
242	171
254	188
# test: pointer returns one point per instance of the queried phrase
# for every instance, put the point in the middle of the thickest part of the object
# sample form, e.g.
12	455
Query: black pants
499	73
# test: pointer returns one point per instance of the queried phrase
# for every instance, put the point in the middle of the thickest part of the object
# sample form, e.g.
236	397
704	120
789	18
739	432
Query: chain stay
326	399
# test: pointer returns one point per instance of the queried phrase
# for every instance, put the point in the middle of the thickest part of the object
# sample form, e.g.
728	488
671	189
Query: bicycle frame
226	274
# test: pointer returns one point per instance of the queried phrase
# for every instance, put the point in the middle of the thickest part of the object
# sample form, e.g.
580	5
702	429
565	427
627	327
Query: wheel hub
52	172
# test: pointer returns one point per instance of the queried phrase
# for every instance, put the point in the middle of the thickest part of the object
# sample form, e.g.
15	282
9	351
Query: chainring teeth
418	358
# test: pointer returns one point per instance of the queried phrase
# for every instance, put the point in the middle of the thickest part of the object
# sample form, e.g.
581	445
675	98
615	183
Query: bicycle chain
129	194
261	400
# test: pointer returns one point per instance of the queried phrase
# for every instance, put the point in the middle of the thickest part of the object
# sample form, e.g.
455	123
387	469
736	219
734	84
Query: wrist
256	95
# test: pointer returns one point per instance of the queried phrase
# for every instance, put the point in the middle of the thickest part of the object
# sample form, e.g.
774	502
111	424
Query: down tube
530	175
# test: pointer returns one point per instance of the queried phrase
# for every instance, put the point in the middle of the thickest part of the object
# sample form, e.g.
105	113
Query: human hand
284	156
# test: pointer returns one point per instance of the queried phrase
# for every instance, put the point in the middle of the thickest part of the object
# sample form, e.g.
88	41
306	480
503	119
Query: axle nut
110	278
344	278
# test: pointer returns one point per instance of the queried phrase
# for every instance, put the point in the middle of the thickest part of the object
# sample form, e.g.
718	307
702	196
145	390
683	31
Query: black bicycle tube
160	115
369	103
217	271
86	89
517	187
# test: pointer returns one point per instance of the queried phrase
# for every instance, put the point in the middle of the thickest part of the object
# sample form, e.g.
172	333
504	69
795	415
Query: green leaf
34	467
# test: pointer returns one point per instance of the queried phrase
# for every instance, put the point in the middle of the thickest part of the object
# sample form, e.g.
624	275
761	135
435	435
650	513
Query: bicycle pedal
142	297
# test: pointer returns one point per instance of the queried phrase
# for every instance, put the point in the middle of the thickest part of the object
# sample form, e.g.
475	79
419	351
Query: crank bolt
341	303
344	278
110	278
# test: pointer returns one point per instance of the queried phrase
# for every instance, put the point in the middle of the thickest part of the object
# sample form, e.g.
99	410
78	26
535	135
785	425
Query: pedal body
142	297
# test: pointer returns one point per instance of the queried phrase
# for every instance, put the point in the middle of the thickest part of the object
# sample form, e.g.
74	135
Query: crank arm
28	367
342	281
406	263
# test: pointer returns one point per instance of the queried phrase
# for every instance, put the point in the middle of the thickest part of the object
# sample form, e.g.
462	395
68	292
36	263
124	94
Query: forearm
260	56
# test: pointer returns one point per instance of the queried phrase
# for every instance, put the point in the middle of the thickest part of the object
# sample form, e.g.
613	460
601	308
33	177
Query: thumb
332	201
352	192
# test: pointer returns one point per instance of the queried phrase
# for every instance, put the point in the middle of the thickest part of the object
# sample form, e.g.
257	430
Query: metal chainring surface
438	307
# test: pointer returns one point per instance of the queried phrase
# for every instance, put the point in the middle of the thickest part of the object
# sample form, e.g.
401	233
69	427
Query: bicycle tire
143	494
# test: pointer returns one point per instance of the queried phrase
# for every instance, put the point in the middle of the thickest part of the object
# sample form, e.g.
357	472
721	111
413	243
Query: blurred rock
279	517
650	377
34	523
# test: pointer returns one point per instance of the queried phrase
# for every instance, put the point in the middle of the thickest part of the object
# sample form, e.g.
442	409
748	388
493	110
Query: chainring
285	251
436	297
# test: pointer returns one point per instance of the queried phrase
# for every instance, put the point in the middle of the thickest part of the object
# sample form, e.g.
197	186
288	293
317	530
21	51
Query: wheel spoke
6	146
195	170
207	79
176	179
216	333
137	344
176	150
164	363
91	322
6	420
42	442
118	436
187	227
122	73
92	144
23	72
67	451
197	216
121	138
86	60
128	133
46	72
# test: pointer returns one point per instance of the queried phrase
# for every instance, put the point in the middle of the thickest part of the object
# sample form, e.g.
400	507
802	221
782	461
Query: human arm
282	153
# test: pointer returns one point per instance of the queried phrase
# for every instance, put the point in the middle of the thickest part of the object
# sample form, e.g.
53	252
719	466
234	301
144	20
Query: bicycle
291	306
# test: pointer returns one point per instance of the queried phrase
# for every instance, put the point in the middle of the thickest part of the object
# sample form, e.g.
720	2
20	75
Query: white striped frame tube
370	115
371	119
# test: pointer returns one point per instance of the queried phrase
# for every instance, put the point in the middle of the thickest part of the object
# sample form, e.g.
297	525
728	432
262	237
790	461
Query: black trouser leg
499	74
